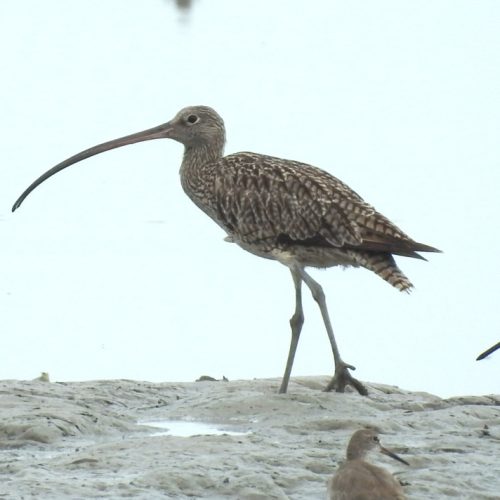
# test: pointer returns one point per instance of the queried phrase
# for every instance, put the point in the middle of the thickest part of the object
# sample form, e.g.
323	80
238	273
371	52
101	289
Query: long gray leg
342	376
296	322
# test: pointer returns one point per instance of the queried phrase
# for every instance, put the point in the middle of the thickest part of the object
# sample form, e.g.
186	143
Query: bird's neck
195	157
353	453
197	169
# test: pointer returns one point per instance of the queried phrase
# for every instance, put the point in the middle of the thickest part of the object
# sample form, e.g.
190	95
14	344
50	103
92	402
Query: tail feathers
385	266
405	247
421	247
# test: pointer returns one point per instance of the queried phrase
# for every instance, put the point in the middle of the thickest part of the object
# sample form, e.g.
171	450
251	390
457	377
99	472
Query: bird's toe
343	378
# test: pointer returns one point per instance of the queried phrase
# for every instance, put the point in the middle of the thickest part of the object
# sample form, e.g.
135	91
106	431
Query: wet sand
81	440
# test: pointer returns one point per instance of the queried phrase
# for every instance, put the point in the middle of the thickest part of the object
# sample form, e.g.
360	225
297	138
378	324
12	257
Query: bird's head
366	440
195	127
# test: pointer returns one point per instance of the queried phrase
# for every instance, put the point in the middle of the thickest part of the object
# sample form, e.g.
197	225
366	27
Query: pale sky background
109	271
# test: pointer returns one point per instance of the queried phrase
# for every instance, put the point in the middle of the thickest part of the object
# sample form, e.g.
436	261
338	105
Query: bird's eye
192	119
375	438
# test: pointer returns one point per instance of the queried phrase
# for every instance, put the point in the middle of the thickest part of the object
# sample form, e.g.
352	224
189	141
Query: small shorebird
44	377
356	479
278	209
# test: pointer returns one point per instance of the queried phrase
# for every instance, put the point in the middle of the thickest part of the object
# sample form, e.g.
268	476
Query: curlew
278	209
357	479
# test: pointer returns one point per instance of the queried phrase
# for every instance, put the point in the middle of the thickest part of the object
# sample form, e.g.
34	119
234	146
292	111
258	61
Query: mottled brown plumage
271	205
278	209
356	479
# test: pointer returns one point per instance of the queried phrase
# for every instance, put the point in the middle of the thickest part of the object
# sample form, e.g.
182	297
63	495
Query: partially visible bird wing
363	481
260	198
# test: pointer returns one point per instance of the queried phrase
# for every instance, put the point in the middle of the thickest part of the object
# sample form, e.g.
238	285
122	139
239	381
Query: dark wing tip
420	247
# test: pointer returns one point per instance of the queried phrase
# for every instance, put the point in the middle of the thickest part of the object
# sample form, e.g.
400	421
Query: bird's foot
342	378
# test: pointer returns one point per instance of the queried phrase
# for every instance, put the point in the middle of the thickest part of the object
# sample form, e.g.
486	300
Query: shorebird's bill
389	453
160	132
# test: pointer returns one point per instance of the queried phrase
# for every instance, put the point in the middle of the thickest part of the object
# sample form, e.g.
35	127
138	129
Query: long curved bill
489	351
389	453
159	132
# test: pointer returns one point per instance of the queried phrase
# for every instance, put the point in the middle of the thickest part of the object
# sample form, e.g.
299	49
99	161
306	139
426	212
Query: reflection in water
183	428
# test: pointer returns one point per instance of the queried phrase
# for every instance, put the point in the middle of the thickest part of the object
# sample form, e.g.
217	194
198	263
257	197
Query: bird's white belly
298	255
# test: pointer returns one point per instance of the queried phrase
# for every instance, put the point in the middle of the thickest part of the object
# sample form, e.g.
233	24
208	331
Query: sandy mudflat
82	440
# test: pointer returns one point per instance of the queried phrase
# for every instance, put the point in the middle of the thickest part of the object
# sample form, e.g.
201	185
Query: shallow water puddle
182	428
